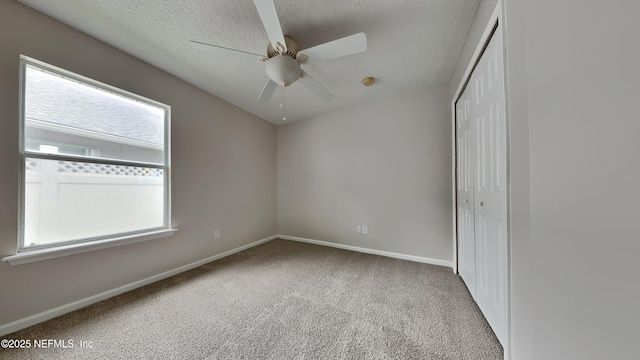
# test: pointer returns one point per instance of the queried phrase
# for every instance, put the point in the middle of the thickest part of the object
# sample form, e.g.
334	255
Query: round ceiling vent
368	81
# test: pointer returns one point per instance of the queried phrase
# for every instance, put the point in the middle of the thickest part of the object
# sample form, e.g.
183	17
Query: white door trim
495	20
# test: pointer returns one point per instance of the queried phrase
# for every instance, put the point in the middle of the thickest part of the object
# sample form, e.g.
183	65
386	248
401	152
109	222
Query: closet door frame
495	23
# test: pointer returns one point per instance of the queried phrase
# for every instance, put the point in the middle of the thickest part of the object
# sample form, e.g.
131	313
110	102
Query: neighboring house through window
95	160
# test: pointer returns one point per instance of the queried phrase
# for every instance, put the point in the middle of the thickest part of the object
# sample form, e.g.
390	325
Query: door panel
482	180
465	205
488	118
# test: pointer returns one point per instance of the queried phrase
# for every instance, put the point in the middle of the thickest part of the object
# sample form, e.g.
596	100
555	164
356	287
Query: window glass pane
67	201
65	116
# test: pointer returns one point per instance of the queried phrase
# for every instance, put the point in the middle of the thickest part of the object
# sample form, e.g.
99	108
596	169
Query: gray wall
572	80
485	9
577	89
224	170
386	165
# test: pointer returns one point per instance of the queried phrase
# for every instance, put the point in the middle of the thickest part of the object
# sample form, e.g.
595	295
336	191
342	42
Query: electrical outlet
358	228
365	230
216	234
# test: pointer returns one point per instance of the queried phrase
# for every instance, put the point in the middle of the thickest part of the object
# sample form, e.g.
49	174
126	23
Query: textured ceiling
412	44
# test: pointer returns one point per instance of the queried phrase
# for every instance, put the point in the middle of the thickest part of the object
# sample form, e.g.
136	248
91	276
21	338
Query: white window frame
48	251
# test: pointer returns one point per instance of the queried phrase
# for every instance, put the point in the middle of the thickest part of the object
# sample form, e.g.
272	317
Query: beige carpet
281	300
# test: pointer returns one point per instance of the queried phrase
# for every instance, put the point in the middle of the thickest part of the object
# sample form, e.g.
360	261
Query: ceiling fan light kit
284	56
283	70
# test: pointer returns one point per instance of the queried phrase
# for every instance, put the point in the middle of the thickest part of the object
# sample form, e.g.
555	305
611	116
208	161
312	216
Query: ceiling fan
284	56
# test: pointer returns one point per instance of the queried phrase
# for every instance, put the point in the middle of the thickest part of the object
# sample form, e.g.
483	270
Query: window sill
71	249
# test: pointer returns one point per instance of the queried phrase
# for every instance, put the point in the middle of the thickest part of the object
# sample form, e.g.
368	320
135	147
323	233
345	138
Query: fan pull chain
282	104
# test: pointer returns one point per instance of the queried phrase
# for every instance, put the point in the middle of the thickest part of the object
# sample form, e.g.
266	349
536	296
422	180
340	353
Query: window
95	161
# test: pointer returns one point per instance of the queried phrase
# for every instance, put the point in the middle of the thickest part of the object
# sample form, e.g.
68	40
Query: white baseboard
61	310
419	259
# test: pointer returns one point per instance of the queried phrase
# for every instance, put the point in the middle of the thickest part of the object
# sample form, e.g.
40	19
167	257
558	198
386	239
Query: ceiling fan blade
267	91
221	50
269	17
315	87
349	45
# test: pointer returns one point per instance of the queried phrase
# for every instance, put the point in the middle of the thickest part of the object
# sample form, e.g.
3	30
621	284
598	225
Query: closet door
488	125
465	199
481	186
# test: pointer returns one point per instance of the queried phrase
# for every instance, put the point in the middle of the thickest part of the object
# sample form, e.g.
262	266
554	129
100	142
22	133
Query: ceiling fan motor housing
292	49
